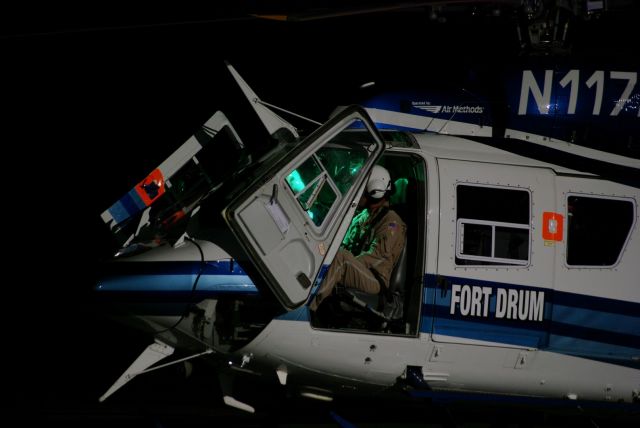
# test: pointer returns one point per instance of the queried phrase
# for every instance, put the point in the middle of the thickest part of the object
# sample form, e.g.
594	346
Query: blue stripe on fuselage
384	125
128	205
572	323
176	279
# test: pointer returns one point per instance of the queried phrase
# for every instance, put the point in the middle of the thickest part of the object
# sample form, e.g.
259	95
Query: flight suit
377	239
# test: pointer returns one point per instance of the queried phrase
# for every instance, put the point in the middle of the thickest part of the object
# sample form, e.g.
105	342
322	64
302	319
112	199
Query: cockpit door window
288	219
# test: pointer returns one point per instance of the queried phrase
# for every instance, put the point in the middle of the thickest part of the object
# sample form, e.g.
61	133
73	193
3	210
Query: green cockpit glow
295	181
326	176
400	195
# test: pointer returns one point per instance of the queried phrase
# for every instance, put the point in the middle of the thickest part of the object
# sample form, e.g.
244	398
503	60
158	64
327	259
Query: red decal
151	188
552	226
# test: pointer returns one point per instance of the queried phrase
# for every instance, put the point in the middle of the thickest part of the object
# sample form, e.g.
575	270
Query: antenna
275	124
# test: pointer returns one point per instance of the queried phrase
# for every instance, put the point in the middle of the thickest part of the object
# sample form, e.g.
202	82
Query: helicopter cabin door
288	218
496	258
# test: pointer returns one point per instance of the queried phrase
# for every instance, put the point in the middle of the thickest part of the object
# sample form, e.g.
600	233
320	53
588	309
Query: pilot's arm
354	239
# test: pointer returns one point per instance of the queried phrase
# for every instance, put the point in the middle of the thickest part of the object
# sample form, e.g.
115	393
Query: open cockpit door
288	218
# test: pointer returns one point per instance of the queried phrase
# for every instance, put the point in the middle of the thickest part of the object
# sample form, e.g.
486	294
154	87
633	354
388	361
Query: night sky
92	105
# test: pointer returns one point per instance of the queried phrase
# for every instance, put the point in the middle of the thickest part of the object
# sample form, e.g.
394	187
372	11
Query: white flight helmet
379	182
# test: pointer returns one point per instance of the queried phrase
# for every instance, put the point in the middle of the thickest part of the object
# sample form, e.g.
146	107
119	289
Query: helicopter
501	286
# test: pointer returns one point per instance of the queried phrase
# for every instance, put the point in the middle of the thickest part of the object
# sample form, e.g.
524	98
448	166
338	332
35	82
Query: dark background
95	99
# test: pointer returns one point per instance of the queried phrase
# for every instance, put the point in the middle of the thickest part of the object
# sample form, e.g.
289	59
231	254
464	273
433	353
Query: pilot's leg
349	271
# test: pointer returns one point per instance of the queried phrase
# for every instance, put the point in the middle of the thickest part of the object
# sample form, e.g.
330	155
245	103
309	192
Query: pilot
372	245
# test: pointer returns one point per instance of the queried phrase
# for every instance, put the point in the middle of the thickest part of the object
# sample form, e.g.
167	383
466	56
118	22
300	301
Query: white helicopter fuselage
520	280
511	329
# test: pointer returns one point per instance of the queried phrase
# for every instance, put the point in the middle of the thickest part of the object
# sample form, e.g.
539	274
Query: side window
311	188
597	229
492	225
342	164
325	177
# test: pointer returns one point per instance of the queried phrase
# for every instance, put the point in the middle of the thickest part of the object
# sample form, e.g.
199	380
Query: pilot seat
384	308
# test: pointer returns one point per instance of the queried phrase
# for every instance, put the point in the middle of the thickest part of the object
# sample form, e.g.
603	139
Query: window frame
494	262
460	244
324	178
626	241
